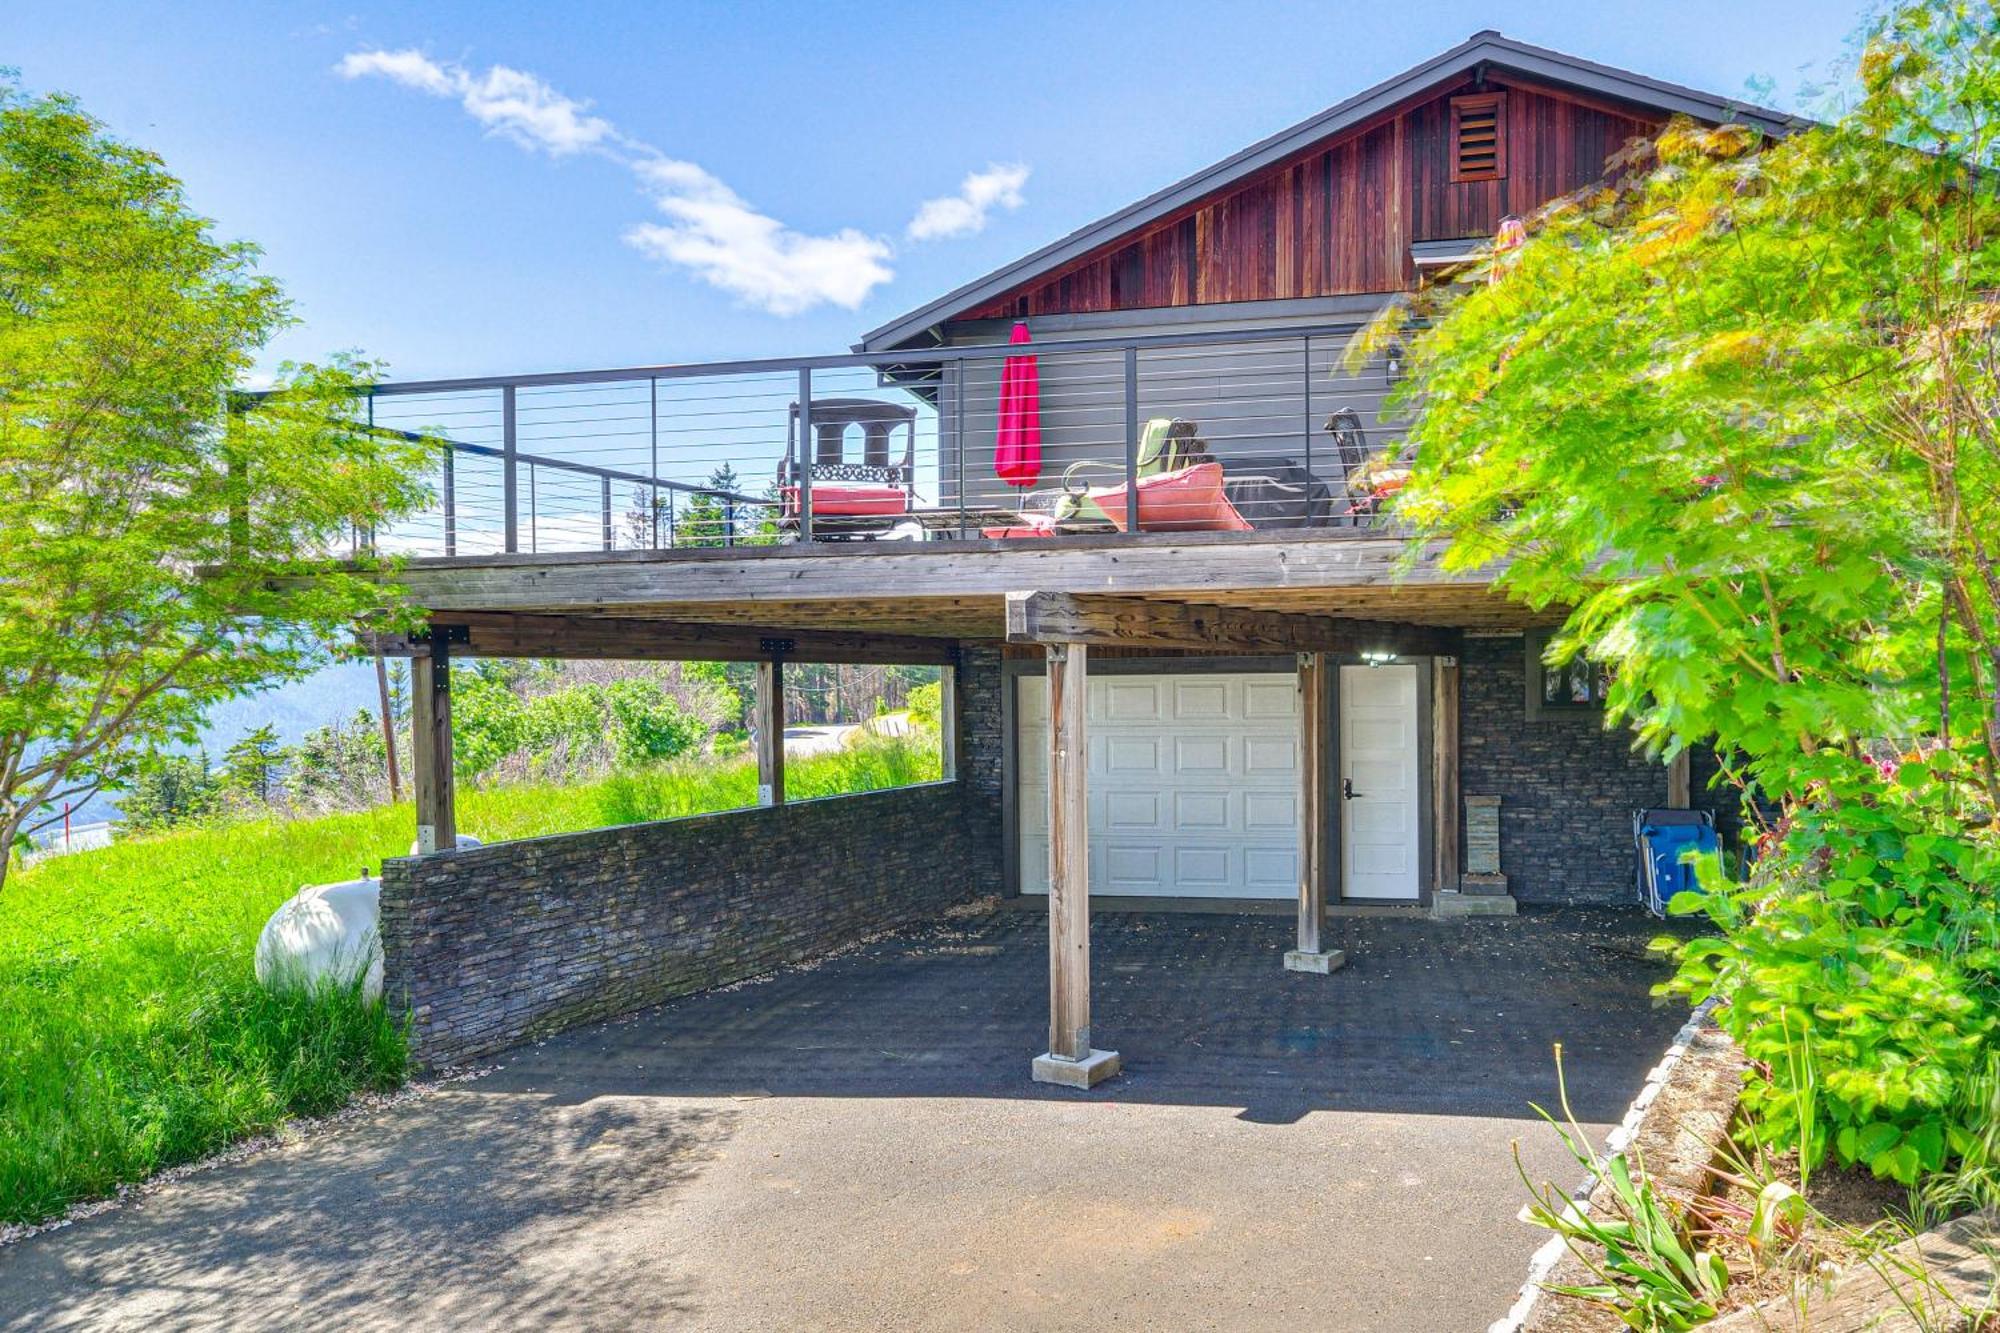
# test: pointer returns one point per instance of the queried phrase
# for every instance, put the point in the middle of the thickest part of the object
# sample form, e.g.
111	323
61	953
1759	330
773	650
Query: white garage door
1193	785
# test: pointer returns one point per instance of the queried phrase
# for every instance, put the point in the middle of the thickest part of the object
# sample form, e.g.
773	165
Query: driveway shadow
473	1209
1426	1018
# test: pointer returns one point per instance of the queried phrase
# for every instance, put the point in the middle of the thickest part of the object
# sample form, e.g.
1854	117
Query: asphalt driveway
857	1145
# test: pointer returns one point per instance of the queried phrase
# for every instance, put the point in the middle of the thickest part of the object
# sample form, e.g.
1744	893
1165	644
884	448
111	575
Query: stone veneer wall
1567	786
982	747
492	946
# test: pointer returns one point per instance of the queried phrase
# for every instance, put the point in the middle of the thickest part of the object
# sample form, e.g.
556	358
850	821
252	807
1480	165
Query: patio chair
1179	484
1366	476
864	498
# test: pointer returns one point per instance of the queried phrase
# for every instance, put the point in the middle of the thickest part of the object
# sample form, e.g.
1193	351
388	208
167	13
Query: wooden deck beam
1119	622
505	634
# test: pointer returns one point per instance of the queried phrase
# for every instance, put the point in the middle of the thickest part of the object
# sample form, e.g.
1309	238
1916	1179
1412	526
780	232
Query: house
1183	659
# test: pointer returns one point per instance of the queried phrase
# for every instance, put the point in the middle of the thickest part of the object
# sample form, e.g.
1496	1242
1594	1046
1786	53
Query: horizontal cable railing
1239	430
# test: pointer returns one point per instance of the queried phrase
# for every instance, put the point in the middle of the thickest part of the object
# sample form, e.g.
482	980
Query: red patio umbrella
1017	448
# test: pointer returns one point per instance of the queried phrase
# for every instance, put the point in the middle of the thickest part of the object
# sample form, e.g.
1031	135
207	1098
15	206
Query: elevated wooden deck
958	589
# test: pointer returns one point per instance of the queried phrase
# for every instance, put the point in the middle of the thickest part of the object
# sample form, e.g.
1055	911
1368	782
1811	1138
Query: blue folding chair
1665	839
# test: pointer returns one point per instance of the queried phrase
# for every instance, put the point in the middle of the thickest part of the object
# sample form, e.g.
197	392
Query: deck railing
1257	429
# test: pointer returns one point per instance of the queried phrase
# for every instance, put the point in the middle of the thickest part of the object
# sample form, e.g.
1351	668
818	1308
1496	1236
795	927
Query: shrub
586	726
926	704
1862	968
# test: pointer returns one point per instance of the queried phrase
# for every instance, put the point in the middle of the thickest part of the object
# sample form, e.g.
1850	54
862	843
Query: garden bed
1677	1125
1679	1131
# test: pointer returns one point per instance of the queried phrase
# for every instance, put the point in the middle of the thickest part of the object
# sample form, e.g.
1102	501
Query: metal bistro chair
863	499
1368	474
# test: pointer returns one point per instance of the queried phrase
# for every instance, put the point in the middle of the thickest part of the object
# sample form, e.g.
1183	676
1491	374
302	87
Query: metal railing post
803	476
653	496
369	544
604	484
1131	439
1306	426
534	532
957	373
510	495
450	500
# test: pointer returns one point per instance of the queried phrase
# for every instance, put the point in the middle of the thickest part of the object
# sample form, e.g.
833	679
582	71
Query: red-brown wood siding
1341	217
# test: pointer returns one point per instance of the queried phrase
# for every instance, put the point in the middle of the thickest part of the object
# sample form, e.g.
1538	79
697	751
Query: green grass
133	1034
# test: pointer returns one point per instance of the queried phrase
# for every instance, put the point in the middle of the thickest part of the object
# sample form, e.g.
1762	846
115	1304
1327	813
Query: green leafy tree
250	766
170	789
705	519
399	691
1738	411
148	529
341	766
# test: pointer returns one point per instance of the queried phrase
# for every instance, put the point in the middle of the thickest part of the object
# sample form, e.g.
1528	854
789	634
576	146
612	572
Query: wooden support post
948	720
1680	782
1445	837
388	728
1070	1060
430	745
1315	840
770	721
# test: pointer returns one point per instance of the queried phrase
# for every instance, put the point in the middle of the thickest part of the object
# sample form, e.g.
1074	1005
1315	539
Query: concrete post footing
1085	1073
1298	960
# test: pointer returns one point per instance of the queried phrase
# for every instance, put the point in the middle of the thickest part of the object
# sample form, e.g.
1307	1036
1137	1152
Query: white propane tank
325	934
465	840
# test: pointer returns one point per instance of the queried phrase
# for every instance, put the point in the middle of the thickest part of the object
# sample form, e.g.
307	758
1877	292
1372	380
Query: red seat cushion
1188	500
849	499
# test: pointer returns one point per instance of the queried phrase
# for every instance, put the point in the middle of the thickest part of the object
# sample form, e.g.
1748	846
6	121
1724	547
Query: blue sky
648	183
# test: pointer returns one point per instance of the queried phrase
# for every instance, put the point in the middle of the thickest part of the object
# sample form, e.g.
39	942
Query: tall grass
133	1033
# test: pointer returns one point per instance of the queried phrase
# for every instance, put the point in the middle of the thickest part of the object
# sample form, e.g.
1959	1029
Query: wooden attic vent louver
1479	137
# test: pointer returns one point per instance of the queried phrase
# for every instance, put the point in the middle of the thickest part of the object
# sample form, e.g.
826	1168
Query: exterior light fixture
1392	365
1376	659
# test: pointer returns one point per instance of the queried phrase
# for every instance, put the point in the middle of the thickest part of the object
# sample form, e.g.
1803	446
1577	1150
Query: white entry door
1378	790
1193	784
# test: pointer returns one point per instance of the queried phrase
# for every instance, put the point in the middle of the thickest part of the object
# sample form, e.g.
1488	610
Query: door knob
1347	792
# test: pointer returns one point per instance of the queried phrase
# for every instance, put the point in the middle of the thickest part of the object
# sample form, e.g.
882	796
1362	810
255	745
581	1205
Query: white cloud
709	230
509	102
732	246
964	213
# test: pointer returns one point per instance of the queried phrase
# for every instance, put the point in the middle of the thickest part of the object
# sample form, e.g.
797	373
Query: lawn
133	1034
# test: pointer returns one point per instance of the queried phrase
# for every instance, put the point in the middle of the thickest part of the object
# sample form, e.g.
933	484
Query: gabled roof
1488	49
